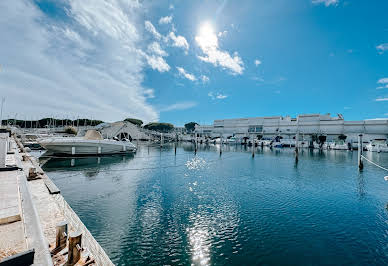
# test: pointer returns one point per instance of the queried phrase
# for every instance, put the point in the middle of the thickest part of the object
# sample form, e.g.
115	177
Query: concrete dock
31	210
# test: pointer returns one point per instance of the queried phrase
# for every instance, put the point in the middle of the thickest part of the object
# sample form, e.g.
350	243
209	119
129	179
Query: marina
193	133
192	191
209	209
309	127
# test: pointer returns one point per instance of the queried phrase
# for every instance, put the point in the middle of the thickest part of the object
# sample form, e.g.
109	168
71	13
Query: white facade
287	127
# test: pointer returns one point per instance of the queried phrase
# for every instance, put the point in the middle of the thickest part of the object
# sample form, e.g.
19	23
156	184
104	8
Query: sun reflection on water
195	163
200	244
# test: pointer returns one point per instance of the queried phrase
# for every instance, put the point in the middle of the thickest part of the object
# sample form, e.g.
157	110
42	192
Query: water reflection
89	166
158	208
361	185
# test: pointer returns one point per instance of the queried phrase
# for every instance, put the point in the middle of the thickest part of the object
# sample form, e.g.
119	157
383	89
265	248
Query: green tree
134	121
342	137
190	126
322	139
71	130
160	127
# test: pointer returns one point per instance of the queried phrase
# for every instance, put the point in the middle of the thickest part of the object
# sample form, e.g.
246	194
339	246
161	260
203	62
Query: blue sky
181	61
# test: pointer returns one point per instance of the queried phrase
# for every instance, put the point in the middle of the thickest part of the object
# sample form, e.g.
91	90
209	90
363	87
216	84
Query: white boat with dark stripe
91	144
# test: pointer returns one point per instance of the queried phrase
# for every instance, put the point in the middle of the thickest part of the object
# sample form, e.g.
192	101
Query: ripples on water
206	209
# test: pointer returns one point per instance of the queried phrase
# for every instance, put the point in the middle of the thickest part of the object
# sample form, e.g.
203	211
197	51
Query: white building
306	125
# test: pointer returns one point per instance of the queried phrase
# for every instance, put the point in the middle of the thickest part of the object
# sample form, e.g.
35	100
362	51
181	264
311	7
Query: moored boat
339	145
377	145
231	140
91	144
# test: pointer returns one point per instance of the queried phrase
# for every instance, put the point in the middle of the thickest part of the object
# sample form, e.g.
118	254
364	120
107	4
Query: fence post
360	164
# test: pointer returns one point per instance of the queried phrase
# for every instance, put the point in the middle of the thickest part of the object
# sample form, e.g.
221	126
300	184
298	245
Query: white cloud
150	28
217	96
222	33
205	78
179	41
326	2
105	83
183	72
257	62
383	81
171	7
381	99
179	106
155	48
382	48
221	96
76	38
165	20
157	63
208	42
149	93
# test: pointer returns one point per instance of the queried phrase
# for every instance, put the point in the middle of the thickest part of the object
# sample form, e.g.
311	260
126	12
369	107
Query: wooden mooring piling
360	163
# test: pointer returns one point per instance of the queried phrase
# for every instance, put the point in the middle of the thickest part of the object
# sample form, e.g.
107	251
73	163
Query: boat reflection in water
89	166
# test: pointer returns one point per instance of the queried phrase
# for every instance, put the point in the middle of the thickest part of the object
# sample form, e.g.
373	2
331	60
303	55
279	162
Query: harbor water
158	208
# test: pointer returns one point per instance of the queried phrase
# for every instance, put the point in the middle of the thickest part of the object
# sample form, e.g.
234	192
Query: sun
207	36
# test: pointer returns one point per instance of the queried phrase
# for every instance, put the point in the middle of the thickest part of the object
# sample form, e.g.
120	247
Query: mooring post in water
296	147
195	143
253	147
161	139
74	248
220	144
360	164
175	147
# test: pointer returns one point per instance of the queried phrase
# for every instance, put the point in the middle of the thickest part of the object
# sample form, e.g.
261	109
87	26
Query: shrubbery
160	127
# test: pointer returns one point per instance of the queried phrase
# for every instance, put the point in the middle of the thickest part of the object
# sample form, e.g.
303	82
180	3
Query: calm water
157	208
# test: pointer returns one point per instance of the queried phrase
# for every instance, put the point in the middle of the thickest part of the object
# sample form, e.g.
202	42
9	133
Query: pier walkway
31	208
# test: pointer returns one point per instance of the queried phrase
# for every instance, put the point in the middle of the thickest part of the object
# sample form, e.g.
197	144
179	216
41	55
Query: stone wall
88	241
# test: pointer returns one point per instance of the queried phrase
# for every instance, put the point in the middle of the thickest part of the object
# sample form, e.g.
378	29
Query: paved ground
12	239
48	210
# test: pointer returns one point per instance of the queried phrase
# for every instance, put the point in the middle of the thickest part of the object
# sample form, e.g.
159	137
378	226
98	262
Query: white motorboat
320	146
339	145
231	140
264	142
303	144
288	142
217	140
91	144
377	145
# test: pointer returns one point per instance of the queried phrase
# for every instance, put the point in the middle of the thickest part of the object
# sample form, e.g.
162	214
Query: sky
181	61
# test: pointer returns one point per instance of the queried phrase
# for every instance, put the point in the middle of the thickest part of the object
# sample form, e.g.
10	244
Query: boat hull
377	148
94	147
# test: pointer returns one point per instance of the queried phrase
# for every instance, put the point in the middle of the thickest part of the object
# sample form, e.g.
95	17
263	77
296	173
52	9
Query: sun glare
207	36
